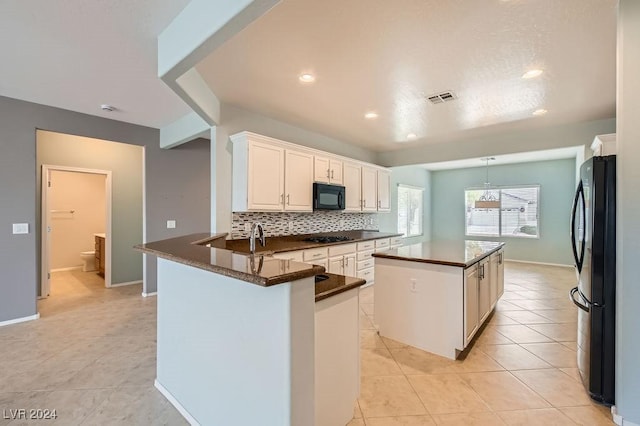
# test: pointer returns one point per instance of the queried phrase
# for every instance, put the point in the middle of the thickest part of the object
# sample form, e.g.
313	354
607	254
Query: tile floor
91	356
519	370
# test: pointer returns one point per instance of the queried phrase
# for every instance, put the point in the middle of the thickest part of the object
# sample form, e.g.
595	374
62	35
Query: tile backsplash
286	223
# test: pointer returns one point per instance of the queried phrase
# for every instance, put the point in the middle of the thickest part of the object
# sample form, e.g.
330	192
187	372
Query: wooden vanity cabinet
100	255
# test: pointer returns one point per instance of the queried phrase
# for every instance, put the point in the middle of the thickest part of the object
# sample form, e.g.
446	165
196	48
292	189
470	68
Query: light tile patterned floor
91	356
520	369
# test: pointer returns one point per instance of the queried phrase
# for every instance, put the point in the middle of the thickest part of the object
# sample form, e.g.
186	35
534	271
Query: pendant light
487	200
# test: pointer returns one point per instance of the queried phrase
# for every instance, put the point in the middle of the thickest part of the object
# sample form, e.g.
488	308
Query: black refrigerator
593	239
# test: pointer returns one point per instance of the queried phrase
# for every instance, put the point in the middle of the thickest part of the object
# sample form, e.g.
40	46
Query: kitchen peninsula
237	330
436	295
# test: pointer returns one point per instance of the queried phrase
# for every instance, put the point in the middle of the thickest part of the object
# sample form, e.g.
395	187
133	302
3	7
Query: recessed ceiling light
307	78
411	136
532	74
371	115
540	111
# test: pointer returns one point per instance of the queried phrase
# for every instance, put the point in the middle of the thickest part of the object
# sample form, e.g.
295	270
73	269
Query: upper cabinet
327	170
369	189
384	188
273	175
353	187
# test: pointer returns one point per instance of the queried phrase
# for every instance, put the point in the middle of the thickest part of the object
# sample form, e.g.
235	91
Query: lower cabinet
471	317
484	290
483	286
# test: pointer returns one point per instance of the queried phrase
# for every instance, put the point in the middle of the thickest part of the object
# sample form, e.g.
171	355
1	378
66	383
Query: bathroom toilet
88	261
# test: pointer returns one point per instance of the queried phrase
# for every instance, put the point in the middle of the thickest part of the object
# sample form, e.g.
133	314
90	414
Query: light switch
171	224
20	228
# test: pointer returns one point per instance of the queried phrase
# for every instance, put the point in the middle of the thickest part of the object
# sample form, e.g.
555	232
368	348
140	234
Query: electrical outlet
171	224
413	285
341	224
247	227
290	225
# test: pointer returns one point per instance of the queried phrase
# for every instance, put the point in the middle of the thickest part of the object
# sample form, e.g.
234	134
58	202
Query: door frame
45	219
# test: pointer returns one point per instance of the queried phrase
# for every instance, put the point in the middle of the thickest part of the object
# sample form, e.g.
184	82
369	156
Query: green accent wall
557	184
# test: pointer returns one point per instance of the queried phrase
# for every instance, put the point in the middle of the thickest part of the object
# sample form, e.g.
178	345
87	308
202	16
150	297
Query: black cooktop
327	239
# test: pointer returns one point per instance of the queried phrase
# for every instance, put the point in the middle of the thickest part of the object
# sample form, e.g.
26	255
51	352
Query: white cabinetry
500	273
353	187
296	255
494	259
384	187
270	177
470	303
484	290
369	189
342	259
298	180
327	170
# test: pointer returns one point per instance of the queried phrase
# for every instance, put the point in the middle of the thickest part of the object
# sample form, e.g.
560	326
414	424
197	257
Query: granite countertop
206	251
336	284
296	242
452	253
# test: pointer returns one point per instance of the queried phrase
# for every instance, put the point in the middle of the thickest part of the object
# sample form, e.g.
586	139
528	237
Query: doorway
76	222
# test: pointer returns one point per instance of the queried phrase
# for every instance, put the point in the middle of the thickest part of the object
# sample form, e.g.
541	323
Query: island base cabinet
337	363
420	304
231	352
471	323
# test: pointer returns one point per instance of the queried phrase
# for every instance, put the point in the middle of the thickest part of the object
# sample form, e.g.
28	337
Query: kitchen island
241	339
436	295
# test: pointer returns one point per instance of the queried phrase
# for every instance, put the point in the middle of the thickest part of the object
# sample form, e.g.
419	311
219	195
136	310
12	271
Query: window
503	212
409	210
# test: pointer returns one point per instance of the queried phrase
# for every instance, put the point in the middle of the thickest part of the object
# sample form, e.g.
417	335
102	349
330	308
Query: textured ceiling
386	56
79	54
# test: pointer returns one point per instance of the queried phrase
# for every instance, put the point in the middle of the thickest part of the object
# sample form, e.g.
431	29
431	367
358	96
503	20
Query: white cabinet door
369	189
335	172
265	177
384	190
336	265
500	273
352	183
493	278
471	316
484	290
298	177
321	169
350	265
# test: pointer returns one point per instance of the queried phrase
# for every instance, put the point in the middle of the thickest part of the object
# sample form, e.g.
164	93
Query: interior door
45	234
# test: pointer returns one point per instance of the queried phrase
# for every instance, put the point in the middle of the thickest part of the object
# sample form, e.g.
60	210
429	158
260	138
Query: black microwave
328	197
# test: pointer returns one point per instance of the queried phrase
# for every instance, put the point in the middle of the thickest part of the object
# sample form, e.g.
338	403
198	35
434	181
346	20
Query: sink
321	277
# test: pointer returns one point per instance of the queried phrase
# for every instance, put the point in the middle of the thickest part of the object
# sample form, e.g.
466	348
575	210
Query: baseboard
71	268
153	293
127	283
18	320
617	418
175	403
539	263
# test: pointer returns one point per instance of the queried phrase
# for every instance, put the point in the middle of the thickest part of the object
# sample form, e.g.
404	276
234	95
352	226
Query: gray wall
125	161
18	123
628	223
557	183
502	143
414	176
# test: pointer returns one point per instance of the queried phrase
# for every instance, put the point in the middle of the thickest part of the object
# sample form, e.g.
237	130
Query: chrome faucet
252	236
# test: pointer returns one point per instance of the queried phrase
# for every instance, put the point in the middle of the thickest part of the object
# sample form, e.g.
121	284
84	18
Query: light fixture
371	115
411	136
106	107
532	73
540	111
487	200
307	78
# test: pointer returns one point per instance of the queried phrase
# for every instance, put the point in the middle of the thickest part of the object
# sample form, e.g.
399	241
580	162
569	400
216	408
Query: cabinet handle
342	263
328	173
331	174
315	256
288	195
364	203
281	198
379	203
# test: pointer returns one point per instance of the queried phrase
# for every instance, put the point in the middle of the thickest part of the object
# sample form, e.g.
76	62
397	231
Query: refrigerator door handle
572	296
579	259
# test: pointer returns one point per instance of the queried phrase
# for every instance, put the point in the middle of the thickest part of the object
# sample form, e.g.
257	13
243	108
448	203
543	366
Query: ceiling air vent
438	98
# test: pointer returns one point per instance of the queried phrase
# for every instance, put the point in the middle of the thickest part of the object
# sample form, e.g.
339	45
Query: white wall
628	206
72	233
